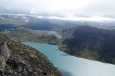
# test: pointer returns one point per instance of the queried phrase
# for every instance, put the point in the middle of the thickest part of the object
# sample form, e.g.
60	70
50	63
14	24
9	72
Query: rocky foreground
20	60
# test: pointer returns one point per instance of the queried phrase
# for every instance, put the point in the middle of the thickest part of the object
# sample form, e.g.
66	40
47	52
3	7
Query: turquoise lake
73	66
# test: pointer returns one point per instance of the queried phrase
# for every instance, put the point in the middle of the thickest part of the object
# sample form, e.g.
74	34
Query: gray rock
4	55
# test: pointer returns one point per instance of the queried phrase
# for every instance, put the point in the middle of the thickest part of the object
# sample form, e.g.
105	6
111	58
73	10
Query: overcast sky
68	8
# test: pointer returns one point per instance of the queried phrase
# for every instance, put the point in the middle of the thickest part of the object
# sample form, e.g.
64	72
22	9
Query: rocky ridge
20	60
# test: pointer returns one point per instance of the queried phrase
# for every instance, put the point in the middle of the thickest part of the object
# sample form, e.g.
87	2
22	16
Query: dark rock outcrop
20	60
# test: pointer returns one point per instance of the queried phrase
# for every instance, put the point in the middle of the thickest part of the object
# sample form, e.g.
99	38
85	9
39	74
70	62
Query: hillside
91	43
25	34
21	60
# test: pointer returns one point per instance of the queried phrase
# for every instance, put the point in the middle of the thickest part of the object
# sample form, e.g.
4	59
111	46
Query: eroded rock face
20	60
4	51
4	55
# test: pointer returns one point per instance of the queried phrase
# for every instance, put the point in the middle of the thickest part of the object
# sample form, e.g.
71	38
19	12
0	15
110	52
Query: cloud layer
66	8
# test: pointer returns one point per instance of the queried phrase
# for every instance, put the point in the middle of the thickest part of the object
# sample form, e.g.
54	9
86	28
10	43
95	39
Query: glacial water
73	66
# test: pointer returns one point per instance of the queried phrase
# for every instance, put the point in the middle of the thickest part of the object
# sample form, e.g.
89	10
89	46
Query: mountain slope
21	60
26	34
91	43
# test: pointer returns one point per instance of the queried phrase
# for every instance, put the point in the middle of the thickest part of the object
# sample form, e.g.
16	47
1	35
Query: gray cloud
68	8
105	7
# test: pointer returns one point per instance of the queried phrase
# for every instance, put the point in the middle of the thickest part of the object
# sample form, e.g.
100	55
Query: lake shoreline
71	65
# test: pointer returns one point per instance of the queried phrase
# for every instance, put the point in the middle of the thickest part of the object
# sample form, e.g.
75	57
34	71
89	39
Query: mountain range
91	40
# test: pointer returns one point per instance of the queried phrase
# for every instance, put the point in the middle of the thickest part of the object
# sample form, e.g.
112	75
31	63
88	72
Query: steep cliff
20	60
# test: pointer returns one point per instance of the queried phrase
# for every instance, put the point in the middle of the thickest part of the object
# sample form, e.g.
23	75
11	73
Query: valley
81	40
